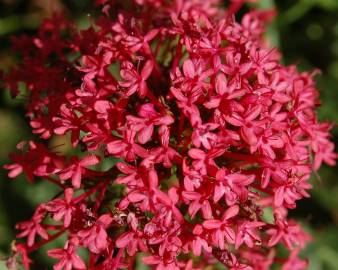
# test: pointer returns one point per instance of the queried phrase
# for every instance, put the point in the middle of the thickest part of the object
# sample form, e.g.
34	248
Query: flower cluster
203	129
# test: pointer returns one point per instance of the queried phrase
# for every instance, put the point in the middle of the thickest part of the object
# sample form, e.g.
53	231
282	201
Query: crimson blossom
203	130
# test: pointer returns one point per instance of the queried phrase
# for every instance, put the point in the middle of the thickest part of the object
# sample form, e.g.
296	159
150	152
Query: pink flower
204	161
34	161
247	233
249	127
137	43
62	208
68	121
68	259
32	228
22	251
202	135
291	191
235	264
126	148
133	177
295	263
196	124
77	168
133	81
132	240
222	229
96	238
144	124
198	202
194	76
198	243
290	233
231	186
192	178
224	92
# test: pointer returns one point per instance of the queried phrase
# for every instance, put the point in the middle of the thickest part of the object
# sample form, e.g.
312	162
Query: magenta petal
15	171
248	135
89	161
231	212
77	262
102	106
221	84
188	68
279	196
151	260
124	239
147	69
76	177
145	134
212	224
136	197
57	253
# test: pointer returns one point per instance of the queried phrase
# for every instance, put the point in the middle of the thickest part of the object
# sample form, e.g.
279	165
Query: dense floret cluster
203	129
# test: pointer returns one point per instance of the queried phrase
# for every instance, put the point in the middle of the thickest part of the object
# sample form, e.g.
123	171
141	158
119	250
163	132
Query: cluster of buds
202	128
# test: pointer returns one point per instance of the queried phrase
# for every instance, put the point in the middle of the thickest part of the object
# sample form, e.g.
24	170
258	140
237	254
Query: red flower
62	208
68	259
144	124
127	147
199	128
222	229
198	243
35	161
68	121
96	238
133	81
290	233
77	168
247	233
32	228
132	240
295	263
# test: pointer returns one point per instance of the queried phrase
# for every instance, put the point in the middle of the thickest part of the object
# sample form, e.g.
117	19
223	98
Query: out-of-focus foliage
306	31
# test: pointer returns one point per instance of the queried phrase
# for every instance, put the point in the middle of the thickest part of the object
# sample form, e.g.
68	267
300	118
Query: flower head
195	128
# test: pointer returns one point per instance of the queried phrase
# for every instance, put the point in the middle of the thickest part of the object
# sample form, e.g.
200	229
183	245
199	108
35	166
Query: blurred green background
306	31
